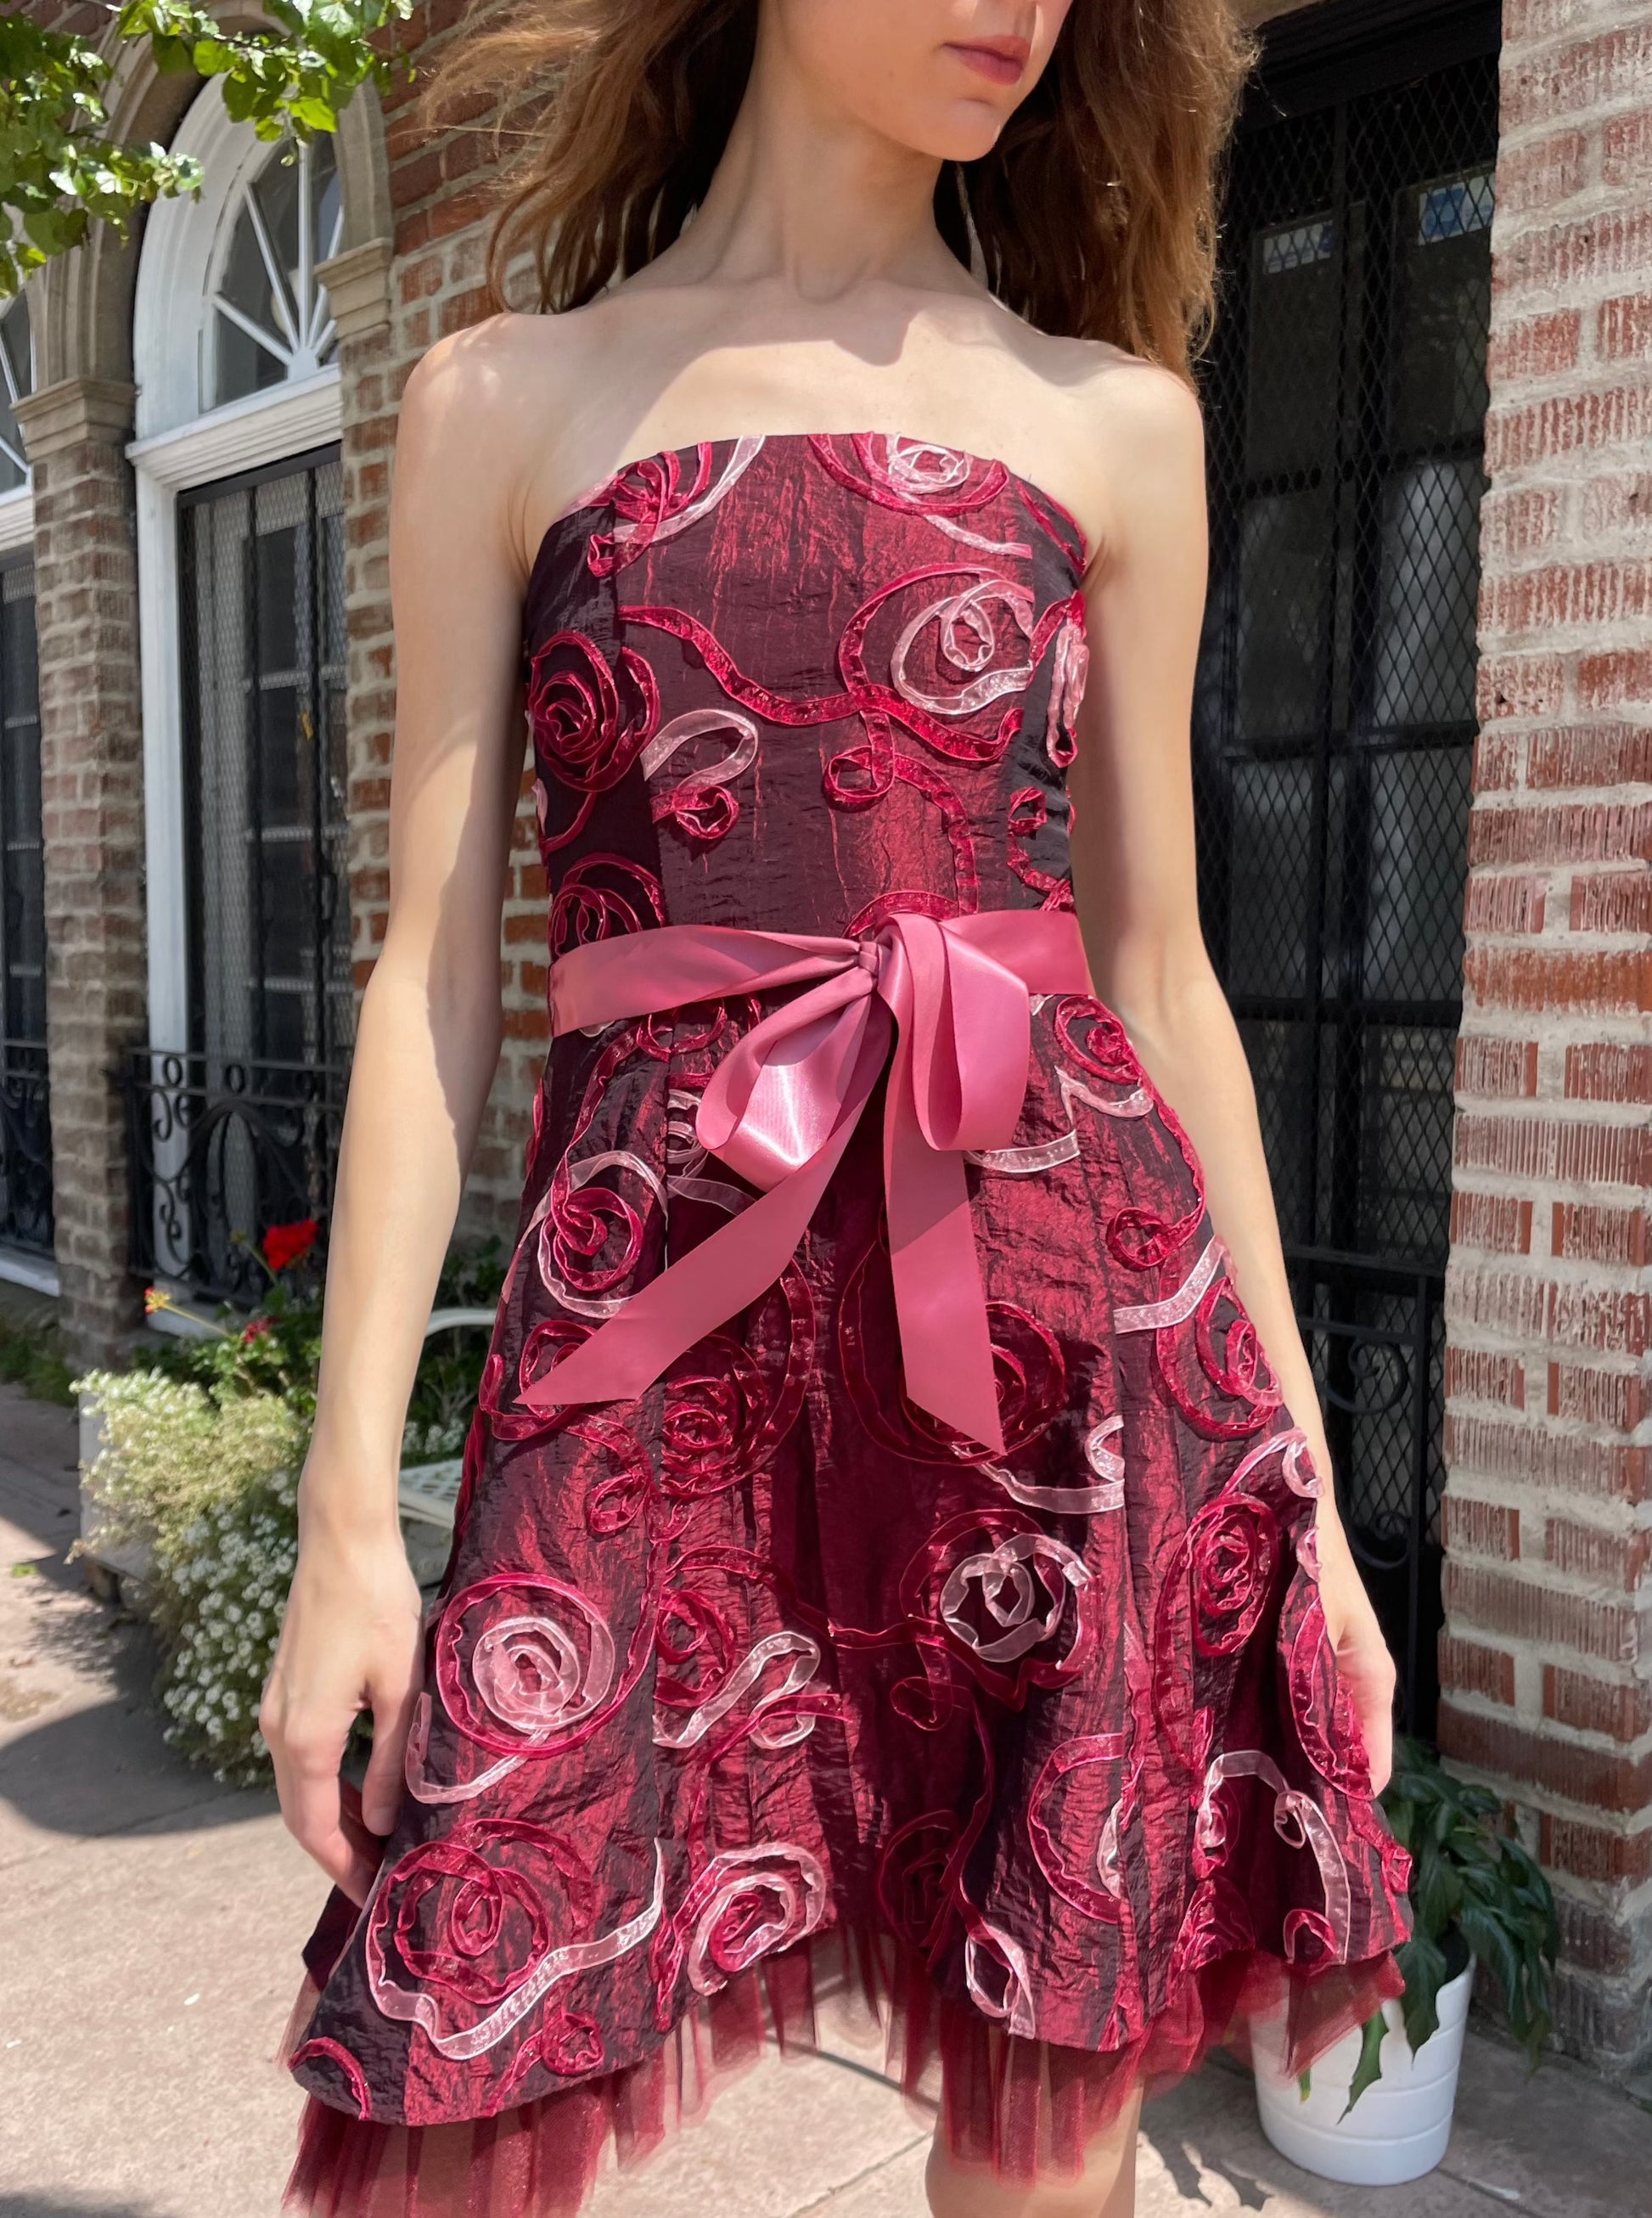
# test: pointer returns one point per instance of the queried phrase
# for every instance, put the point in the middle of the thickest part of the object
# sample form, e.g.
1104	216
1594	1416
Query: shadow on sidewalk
50	2206
106	1769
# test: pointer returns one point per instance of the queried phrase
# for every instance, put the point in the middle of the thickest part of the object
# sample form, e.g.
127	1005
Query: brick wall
91	810
1547	1656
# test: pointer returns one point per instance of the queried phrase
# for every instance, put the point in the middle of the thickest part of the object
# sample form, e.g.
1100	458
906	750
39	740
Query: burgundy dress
769	1668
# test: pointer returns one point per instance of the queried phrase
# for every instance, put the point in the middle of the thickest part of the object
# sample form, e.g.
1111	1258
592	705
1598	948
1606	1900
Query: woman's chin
967	131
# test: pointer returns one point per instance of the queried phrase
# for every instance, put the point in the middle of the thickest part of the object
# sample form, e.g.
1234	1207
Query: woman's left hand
1366	1668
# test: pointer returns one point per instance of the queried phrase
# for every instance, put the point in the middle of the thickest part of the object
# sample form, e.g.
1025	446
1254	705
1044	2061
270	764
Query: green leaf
1370	2065
318	113
1489	1938
1423	1963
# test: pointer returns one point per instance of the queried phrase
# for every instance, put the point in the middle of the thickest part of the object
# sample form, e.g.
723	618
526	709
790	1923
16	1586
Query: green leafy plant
276	1350
1475	1893
204	1441
207	1485
31	1354
61	170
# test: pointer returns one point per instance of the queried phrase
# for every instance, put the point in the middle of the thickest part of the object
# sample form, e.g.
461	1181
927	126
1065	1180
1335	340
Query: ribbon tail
946	1349
700	1291
715	1280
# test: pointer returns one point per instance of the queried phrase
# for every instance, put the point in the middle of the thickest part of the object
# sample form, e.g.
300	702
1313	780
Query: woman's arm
426	1049
1135	877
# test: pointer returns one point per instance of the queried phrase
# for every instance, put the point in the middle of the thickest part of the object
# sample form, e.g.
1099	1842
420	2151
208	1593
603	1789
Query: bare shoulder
508	364
1135	406
1143	433
480	408
1117	429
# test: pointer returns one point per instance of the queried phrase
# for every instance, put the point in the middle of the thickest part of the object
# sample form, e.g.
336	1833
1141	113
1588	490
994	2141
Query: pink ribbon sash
950	997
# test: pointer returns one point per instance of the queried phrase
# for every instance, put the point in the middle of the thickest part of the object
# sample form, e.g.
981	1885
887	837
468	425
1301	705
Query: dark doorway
1335	725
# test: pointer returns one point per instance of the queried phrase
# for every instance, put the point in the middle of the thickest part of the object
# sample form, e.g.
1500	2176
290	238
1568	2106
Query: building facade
1423	748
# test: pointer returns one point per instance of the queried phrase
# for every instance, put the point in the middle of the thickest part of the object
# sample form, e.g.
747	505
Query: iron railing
219	1152
1374	1334
25	1147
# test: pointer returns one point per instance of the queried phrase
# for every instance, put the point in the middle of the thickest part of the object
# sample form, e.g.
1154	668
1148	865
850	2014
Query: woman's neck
811	198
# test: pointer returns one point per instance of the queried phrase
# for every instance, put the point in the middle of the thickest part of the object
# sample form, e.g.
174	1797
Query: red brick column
1547	1656
92	771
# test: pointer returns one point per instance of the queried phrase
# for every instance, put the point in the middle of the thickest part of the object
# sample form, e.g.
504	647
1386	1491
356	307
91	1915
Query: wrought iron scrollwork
221	1150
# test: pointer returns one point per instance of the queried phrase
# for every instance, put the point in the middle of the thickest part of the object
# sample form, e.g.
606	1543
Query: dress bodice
798	683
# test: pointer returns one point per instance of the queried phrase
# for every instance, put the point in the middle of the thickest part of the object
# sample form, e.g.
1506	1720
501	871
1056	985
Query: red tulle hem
1024	2110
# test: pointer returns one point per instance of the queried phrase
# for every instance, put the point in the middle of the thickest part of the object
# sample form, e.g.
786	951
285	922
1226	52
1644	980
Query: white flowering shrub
208	1485
231	1577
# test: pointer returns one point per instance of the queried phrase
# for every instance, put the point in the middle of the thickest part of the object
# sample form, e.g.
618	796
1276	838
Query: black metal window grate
1335	729
242	1131
262	578
25	1110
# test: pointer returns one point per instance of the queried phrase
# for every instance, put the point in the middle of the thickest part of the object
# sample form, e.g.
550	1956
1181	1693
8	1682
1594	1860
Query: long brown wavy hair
1094	215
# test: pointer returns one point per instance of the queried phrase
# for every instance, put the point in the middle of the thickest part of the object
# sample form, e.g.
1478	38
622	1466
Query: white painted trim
186	242
163	722
243	435
21	1267
17	519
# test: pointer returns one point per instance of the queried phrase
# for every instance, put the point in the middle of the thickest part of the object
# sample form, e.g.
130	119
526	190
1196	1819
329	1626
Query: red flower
285	1243
255	1330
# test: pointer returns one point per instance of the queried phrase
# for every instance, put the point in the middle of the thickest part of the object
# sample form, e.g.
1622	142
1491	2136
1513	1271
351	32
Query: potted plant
1376	2108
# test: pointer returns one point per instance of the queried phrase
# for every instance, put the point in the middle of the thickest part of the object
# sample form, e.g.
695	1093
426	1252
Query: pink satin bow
781	1106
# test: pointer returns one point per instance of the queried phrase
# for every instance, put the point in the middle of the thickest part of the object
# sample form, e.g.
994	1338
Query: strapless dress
883	1555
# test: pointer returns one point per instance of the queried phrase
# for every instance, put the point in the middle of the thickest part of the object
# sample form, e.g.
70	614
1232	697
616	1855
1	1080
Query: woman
882	1540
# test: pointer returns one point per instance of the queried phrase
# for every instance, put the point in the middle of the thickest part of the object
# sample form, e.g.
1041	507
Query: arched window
241	559
270	320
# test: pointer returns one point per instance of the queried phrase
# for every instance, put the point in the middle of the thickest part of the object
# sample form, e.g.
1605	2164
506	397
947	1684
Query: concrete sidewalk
149	1924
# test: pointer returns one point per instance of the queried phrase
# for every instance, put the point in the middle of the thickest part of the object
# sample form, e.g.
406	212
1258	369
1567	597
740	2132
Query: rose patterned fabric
768	1667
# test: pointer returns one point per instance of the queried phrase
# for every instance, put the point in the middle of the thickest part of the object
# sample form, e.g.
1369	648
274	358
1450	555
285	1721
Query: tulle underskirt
1024	2110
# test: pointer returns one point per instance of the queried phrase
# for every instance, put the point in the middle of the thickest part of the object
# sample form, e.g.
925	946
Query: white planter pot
1399	2127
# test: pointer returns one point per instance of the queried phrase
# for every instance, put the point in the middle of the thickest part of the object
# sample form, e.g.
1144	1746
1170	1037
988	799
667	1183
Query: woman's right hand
350	1641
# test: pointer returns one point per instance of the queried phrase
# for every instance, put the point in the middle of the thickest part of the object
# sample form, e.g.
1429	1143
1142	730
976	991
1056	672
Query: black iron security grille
25	1100
242	1131
1334	728
221	1150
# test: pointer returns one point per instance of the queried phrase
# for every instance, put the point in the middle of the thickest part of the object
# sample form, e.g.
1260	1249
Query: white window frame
179	445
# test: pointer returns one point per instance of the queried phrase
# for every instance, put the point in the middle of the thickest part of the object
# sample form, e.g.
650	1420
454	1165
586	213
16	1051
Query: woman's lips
1000	60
